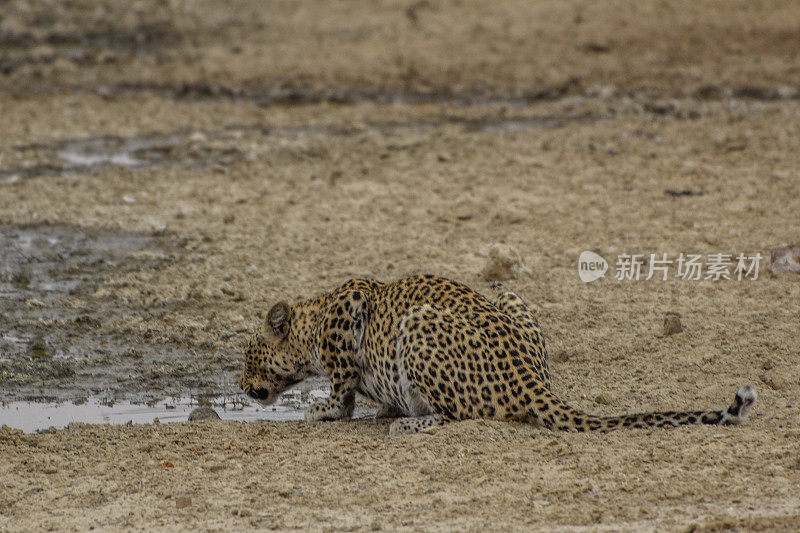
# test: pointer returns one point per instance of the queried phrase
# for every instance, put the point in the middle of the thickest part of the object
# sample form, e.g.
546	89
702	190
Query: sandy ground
280	151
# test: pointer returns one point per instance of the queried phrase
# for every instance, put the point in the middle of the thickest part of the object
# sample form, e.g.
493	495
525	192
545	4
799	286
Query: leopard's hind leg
515	307
447	369
388	411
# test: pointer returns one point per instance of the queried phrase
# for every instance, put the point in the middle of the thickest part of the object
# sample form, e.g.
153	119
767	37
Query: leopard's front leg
341	402
340	333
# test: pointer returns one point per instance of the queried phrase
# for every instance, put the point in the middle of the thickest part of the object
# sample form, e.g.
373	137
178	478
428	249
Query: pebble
182	502
504	263
603	399
198	137
672	324
774	380
785	259
38	348
203	413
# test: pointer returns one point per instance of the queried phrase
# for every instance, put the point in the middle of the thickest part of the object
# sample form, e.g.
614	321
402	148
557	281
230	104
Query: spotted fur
431	350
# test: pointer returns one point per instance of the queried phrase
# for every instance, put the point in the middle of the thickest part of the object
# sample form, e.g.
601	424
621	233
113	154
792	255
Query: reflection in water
33	416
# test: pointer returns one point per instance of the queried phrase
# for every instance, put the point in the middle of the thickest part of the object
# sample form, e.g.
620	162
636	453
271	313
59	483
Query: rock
603	399
39	348
596	47
182	502
21	280
785	259
504	263
672	323
203	413
774	380
660	108
198	137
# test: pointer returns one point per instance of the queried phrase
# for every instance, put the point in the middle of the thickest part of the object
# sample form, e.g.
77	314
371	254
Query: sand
282	150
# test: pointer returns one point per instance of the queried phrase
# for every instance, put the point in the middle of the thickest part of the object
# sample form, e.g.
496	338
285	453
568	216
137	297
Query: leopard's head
279	353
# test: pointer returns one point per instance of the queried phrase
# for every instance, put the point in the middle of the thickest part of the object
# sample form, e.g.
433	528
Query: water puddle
130	152
135	152
32	417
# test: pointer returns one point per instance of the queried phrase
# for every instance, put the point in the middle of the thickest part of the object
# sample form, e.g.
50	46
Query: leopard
430	351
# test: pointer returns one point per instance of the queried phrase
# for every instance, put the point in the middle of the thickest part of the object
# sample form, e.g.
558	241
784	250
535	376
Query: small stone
182	502
672	324
786	91
107	56
504	263
596	47
203	413
774	381
228	219
21	280
158	229
198	137
660	108
603	399
38	348
335	176
785	259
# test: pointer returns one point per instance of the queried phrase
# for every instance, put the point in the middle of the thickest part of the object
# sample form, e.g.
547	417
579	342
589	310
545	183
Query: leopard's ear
277	321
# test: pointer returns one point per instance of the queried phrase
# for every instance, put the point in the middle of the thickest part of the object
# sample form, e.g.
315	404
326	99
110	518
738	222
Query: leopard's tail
551	412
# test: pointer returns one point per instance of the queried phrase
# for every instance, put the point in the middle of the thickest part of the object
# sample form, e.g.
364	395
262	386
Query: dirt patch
159	193
516	50
352	476
134	152
328	193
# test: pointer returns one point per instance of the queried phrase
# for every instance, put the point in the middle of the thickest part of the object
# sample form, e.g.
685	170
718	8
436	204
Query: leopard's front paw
320	412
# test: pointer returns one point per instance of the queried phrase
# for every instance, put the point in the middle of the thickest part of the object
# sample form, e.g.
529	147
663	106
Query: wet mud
131	152
57	337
